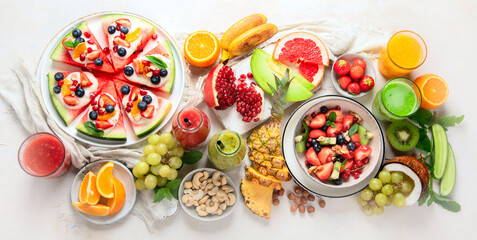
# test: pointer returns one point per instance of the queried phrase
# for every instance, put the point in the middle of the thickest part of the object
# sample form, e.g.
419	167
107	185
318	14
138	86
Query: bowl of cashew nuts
207	194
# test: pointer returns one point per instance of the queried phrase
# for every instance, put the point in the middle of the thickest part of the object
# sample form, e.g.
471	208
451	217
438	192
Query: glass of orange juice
404	52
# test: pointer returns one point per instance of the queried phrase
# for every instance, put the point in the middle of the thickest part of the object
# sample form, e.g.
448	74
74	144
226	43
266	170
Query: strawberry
71	39
137	65
355	138
344	81
148	112
348	120
119	41
354	88
100	124
134	94
85	80
317	133
356	72
318	121
366	83
93	55
325	155
324	172
312	157
341	67
334	131
70	100
360	62
105	100
123	22
362	152
339	115
347	166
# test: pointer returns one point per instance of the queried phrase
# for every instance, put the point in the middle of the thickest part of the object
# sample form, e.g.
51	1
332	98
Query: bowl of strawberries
353	75
333	146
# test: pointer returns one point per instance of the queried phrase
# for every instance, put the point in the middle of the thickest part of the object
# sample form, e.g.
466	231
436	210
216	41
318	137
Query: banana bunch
245	35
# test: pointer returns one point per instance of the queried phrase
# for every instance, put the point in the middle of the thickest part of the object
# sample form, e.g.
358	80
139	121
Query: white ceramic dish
296	162
120	172
94	21
350	57
191	210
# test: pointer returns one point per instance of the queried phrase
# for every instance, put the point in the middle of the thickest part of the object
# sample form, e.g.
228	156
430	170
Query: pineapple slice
275	161
267	181
257	198
281	174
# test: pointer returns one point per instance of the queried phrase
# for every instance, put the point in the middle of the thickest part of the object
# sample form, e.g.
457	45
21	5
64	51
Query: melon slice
69	113
112	127
60	54
141	124
257	198
146	32
164	52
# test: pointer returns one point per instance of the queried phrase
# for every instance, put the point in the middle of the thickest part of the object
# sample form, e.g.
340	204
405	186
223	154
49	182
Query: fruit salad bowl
298	164
369	71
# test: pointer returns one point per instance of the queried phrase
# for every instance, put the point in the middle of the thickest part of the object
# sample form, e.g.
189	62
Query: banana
251	38
240	27
225	55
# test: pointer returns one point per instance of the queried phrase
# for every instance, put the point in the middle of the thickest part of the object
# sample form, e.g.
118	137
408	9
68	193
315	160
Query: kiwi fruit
403	135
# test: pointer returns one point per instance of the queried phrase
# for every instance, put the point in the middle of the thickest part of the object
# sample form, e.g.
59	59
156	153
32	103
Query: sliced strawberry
85	80
134	94
339	115
71	39
105	100
323	172
347	166
70	100
348	120
123	22
149	112
362	152
93	55
119	41
312	157
325	155
137	65
103	124
334	131
355	138
318	121
317	133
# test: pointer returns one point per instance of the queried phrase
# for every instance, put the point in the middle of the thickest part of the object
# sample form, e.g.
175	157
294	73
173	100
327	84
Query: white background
39	209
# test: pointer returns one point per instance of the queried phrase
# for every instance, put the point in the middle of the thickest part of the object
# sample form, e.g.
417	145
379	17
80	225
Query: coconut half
415	170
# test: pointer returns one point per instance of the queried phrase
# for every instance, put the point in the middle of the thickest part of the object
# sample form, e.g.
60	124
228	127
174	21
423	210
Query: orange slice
135	110
65	89
107	115
133	36
434	90
97	210
117	202
104	180
88	194
201	49
79	49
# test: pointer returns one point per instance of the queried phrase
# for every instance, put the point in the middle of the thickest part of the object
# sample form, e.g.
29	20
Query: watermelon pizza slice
71	92
104	118
155	69
80	48
144	109
126	37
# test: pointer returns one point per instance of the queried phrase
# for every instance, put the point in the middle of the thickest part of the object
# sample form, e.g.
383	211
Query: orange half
79	49
104	180
117	202
201	48
97	210
88	194
434	90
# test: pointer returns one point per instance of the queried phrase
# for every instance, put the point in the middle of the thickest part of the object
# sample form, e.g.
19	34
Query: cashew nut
203	184
209	180
214	199
203	199
224	180
231	198
220	211
188	185
196	180
223	206
227	188
216	179
188	200
213	191
201	211
205	176
212	207
196	203
221	195
209	186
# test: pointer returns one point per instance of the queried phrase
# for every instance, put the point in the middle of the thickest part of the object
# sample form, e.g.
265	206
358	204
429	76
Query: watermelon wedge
125	46
142	121
69	104
106	124
162	51
88	51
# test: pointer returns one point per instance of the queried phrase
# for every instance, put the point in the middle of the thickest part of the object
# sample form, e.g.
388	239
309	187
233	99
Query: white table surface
39	209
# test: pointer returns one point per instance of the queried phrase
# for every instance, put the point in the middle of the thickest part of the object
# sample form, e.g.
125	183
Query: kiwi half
403	135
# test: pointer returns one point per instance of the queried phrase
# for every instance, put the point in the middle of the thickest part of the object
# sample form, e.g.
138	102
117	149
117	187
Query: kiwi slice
403	135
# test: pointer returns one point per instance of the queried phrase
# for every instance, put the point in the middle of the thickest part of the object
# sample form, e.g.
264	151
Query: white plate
94	21
296	162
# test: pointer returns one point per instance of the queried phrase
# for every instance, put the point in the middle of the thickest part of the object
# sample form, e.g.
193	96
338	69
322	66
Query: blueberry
163	72
338	181
79	39
98	62
111	29
122	52
313	141
340	139
147	99
109	108
79	92
56	89
324	128
142	105
128	70
324	109
351	146
125	30
59	76
125	89
76	33
338	159
155	79
317	148
93	115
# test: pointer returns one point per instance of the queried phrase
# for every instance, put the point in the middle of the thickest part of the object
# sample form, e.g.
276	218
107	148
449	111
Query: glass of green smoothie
397	100
226	150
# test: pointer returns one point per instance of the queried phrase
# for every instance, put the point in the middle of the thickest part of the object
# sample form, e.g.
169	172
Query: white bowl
350	57
191	210
120	172
296	162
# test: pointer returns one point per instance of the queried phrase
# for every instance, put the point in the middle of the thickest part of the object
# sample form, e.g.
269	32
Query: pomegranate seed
94	102
338	108
106	50
156	72
154	36
60	83
308	145
72	88
90	41
122	35
82	57
91	95
355	174
84	69
242	75
313	114
344	129
142	92
89	50
115	48
128	109
357	145
146	62
100	112
360	171
87	34
118	27
95	108
309	139
75	82
365	161
129	104
249	75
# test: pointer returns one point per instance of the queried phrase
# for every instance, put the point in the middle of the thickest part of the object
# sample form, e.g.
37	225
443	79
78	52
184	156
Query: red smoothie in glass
191	127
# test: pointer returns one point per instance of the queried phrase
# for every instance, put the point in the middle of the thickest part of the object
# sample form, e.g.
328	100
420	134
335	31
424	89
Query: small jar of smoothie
227	150
191	127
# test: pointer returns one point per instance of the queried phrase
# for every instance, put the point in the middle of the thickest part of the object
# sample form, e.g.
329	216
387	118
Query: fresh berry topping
146	62
154	36
95	108
70	100
360	62
79	39
340	139
103	124
90	41
316	134
98	62
82	57
323	172
148	112
318	121
351	146
76	33
341	67
312	157
106	50
115	49
156	72
59	76
89	50
93	115
94	102
348	120
122	51
338	181
325	155
155	79
100	112
87	34
56	89
125	89
142	92
111	29
334	131
366	83
147	99
79	92
128	71
129	104
60	83
324	109
362	152
123	22
353	88
344	81
72	88
142	105
356	72
118	27
249	75
109	108
338	159
124	30
122	35
128	109
163	72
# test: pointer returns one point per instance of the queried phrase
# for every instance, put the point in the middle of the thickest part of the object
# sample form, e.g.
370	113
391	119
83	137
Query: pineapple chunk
267	181
257	198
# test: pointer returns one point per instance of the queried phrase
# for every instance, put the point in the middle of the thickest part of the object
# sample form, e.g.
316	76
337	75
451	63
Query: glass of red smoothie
191	127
